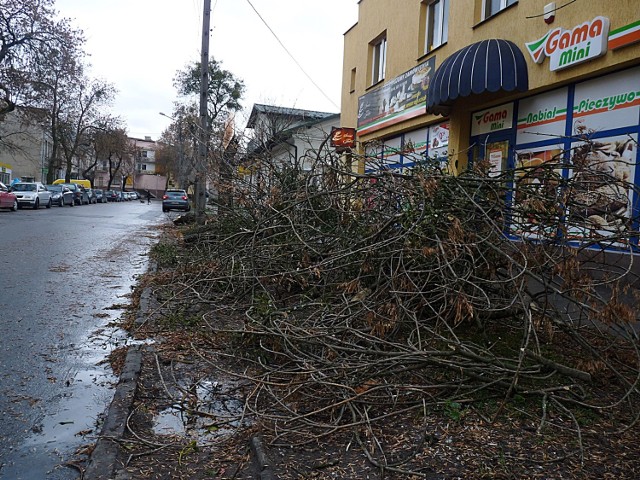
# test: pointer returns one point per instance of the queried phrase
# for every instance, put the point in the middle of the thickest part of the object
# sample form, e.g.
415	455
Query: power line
292	57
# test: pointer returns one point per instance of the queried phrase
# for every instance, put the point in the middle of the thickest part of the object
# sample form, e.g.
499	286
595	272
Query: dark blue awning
486	66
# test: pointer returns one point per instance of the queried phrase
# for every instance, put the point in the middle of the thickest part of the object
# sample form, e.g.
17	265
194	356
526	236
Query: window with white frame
437	27
378	59
491	7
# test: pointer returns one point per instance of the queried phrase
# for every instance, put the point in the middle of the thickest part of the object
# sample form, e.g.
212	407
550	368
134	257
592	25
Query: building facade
284	136
25	146
505	82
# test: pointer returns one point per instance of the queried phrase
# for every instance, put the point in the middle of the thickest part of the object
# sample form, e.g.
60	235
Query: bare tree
83	115
28	32
112	146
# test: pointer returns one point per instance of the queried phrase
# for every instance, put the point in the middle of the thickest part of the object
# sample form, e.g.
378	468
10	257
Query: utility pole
201	167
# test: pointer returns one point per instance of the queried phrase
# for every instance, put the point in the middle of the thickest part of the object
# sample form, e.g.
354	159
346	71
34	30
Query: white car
31	194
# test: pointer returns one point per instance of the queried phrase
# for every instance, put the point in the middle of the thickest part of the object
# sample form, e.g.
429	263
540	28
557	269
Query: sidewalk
145	385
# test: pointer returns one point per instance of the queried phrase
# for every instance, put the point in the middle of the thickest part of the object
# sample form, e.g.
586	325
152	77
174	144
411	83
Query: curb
265	470
102	463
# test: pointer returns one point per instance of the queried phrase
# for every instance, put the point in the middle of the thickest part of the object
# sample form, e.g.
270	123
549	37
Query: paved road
65	274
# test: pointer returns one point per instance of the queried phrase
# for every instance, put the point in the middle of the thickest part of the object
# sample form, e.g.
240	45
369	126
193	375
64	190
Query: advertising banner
602	174
542	117
415	146
537	209
400	99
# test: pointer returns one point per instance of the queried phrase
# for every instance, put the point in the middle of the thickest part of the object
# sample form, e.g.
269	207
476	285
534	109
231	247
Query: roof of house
303	115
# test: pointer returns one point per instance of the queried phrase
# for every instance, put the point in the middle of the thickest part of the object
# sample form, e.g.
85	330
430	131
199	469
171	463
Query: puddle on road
207	414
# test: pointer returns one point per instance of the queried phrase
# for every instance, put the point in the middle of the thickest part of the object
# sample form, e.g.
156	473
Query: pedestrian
148	197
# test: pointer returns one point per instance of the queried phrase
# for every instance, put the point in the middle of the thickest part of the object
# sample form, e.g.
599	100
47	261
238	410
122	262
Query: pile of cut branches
373	296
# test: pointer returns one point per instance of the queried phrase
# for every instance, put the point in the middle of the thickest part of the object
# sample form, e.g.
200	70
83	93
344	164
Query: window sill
482	22
430	52
374	85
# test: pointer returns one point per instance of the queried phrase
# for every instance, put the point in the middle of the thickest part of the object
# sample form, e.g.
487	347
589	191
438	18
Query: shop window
437	23
491	7
378	58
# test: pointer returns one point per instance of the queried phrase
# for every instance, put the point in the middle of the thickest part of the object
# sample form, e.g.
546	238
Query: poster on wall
439	141
607	102
496	155
400	99
495	162
601	178
536	205
542	117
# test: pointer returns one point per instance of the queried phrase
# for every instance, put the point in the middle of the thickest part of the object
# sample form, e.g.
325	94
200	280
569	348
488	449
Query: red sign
343	137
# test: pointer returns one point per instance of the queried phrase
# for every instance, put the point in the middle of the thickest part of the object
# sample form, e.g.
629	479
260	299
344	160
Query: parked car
80	196
101	196
61	195
175	199
92	195
8	199
31	194
134	195
112	196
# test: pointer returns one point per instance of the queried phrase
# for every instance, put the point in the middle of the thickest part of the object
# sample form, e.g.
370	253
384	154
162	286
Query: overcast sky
138	45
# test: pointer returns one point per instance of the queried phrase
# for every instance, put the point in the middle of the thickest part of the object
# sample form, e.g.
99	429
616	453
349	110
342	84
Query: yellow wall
520	23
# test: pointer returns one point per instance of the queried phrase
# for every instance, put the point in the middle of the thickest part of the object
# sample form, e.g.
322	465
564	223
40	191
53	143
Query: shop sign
492	120
567	48
342	138
400	99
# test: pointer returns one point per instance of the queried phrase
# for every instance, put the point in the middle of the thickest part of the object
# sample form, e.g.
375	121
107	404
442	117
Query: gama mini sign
492	119
567	48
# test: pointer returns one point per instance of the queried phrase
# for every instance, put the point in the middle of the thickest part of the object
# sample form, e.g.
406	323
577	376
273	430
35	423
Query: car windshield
54	188
175	193
25	187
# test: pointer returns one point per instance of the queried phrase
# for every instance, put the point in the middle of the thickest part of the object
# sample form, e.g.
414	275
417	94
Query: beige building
25	146
486	78
505	84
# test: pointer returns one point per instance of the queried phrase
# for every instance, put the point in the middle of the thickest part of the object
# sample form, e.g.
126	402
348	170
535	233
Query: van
84	183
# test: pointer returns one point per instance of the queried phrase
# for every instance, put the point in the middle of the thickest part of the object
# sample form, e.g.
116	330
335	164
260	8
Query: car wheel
36	205
14	207
49	203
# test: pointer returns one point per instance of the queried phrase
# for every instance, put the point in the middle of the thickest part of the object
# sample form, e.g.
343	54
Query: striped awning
486	66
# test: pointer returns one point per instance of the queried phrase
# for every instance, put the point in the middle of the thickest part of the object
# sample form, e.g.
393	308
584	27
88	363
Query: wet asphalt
66	274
